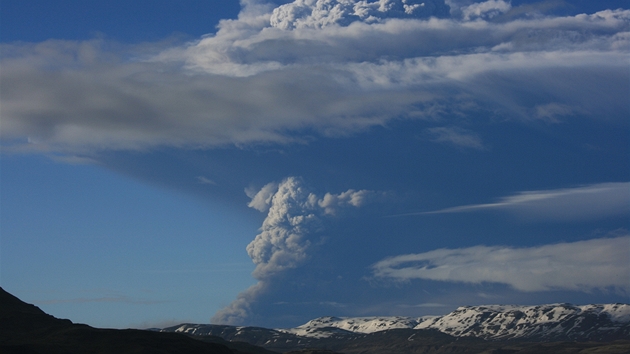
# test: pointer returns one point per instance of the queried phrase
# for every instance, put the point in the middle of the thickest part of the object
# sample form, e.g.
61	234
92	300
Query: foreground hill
26	329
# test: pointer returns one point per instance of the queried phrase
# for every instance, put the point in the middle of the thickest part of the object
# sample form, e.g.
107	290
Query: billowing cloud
332	202
581	203
294	217
322	13
254	82
582	266
283	241
485	10
261	200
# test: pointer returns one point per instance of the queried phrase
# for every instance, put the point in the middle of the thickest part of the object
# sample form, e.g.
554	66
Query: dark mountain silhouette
26	329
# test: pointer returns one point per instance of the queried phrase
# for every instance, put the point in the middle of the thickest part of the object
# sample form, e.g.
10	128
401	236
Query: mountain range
556	328
496	322
468	329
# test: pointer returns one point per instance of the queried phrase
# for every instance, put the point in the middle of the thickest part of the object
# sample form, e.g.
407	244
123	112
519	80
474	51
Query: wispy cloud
586	202
456	136
73	159
205	180
582	266
552	112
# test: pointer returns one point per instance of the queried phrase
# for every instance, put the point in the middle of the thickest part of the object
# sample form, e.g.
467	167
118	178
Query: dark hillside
25	328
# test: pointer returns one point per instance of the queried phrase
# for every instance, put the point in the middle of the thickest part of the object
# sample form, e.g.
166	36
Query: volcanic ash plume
294	215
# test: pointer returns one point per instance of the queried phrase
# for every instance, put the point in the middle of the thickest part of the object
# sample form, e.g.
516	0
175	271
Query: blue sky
265	163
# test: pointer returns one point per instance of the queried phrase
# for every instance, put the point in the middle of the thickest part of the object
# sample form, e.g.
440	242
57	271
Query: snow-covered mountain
564	328
545	322
493	322
484	328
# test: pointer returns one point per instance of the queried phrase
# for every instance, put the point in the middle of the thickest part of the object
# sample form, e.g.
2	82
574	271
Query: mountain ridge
24	328
562	321
550	328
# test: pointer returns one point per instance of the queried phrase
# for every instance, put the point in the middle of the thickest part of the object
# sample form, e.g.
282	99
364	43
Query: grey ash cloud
287	236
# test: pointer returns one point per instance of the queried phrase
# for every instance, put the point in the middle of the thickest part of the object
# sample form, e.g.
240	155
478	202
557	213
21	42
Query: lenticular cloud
294	218
582	266
590	202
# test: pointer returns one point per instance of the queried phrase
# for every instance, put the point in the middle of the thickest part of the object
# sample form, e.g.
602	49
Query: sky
266	163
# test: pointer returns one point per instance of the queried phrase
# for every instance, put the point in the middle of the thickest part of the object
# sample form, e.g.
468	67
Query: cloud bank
580	203
331	68
294	219
582	266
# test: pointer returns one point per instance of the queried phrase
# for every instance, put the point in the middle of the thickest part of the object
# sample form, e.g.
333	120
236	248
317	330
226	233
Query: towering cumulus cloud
294	216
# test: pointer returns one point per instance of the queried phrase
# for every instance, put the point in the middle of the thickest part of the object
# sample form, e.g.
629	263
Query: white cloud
582	266
485	10
261	200
251	82
581	203
332	202
322	13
